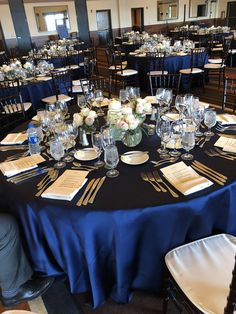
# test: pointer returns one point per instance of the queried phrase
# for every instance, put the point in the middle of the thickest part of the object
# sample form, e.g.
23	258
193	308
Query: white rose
93	114
139	108
129	118
85	112
7	69
126	110
78	119
147	107
121	124
89	120
133	124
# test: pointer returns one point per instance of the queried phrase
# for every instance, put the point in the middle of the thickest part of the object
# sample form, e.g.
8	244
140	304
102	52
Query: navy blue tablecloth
172	64
118	244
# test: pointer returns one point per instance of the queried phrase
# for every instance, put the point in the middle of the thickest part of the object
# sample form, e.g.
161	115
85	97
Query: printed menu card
14	138
11	168
67	185
226	118
184	178
228	144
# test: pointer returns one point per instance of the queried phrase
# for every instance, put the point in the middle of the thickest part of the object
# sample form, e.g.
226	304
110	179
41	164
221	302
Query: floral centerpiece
140	107
86	119
130	126
12	71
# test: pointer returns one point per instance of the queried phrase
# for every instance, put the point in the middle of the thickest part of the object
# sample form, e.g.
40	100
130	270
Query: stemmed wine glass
180	105
210	121
165	132
62	107
57	152
123	96
188	100
111	159
176	134
198	116
107	136
188	141
97	142
98	95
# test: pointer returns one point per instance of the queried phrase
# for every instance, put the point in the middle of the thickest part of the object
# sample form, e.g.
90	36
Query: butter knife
91	200
79	203
85	202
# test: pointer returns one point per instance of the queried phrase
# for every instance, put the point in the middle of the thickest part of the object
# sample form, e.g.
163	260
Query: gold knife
198	163
91	200
208	175
79	203
85	202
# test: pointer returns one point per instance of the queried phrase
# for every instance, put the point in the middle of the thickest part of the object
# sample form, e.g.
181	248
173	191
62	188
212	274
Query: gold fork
159	180
52	178
212	154
145	178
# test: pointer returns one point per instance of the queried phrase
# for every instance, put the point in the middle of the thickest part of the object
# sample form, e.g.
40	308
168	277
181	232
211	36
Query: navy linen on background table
172	64
117	245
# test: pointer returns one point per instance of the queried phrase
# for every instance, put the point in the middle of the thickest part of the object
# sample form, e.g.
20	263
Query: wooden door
104	27
231	14
137	19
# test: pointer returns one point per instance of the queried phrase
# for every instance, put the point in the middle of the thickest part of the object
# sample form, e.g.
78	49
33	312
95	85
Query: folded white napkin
226	143
226	118
229	149
14	138
185	179
67	185
11	168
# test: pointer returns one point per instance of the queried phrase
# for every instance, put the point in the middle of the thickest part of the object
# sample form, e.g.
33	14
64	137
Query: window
52	20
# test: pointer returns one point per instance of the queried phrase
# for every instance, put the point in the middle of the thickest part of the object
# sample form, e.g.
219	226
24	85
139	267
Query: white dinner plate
86	154
18	312
134	158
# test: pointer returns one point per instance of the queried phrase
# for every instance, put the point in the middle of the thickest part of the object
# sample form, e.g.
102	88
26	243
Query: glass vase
132	138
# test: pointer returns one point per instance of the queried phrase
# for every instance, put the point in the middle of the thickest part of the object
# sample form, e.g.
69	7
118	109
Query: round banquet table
118	244
172	64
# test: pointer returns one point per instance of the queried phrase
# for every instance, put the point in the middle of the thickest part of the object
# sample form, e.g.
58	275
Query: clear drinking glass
97	141
180	105
57	152
188	142
198	116
98	95
107	136
165	132
210	121
188	100
111	158
62	107
123	96
176	135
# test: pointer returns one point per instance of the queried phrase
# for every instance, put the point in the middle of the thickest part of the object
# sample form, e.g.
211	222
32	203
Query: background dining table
117	244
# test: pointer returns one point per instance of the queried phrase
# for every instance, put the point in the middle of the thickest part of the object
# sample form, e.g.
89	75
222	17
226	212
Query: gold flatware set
91	191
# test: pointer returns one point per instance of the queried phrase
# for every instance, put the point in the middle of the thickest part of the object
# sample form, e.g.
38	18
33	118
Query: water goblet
210	121
180	105
165	132
107	136
97	145
188	142
198	115
111	159
176	134
62	107
57	152
99	99
188	100
123	96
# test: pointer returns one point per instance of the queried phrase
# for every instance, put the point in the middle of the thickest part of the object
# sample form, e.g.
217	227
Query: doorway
104	27
231	14
137	19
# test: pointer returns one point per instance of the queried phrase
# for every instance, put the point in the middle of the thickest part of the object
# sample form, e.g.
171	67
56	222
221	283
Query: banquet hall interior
117	152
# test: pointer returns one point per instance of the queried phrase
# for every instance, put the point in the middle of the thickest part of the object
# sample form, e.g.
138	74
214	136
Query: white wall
29	11
6	21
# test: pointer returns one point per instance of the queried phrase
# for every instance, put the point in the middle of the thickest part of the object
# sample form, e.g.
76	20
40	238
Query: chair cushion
53	99
17	107
154	73
215	60
127	72
203	271
72	66
232	51
217	49
213	66
78	82
188	71
78	89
